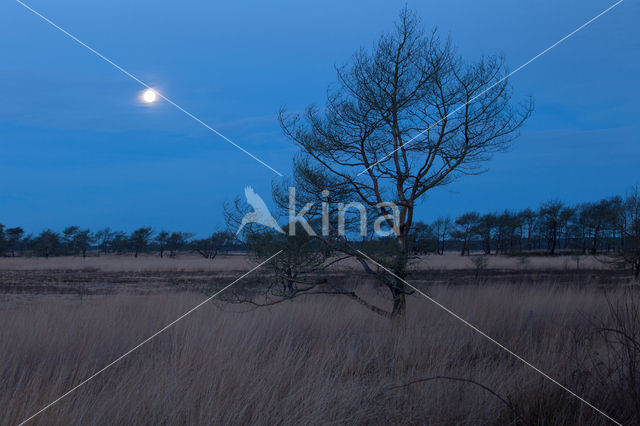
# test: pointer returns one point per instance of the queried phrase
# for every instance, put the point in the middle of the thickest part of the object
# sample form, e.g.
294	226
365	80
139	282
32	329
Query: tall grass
315	361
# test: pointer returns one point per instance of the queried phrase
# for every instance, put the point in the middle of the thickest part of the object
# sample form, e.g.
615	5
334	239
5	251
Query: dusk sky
77	146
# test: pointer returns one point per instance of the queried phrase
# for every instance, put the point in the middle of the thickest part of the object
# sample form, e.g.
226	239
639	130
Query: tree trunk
399	305
464	246
398	289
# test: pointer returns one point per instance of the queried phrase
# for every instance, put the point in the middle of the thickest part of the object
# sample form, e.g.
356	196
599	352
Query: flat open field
241	263
117	274
316	360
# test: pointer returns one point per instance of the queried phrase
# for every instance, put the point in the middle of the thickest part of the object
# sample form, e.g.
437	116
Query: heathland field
322	359
301	237
240	263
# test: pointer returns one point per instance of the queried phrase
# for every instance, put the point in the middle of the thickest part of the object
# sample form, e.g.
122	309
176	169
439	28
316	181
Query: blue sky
78	147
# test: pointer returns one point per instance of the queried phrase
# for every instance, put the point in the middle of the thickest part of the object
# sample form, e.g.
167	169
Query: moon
149	96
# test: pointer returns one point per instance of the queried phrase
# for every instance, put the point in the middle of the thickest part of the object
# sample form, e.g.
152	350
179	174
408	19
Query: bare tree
210	246
442	226
480	262
404	118
301	256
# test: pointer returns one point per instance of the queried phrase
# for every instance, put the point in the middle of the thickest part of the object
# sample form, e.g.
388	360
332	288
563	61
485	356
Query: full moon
149	96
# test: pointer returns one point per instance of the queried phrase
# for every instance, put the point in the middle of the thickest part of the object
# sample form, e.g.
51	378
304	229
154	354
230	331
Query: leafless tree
480	262
210	246
406	117
442	226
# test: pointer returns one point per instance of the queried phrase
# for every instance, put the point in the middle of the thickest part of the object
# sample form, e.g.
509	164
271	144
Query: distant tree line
610	225
76	241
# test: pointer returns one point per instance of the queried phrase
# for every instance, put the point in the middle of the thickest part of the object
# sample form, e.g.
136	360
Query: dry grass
315	361
128	263
240	262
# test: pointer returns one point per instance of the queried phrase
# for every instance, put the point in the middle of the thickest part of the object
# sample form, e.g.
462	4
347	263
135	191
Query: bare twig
504	400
